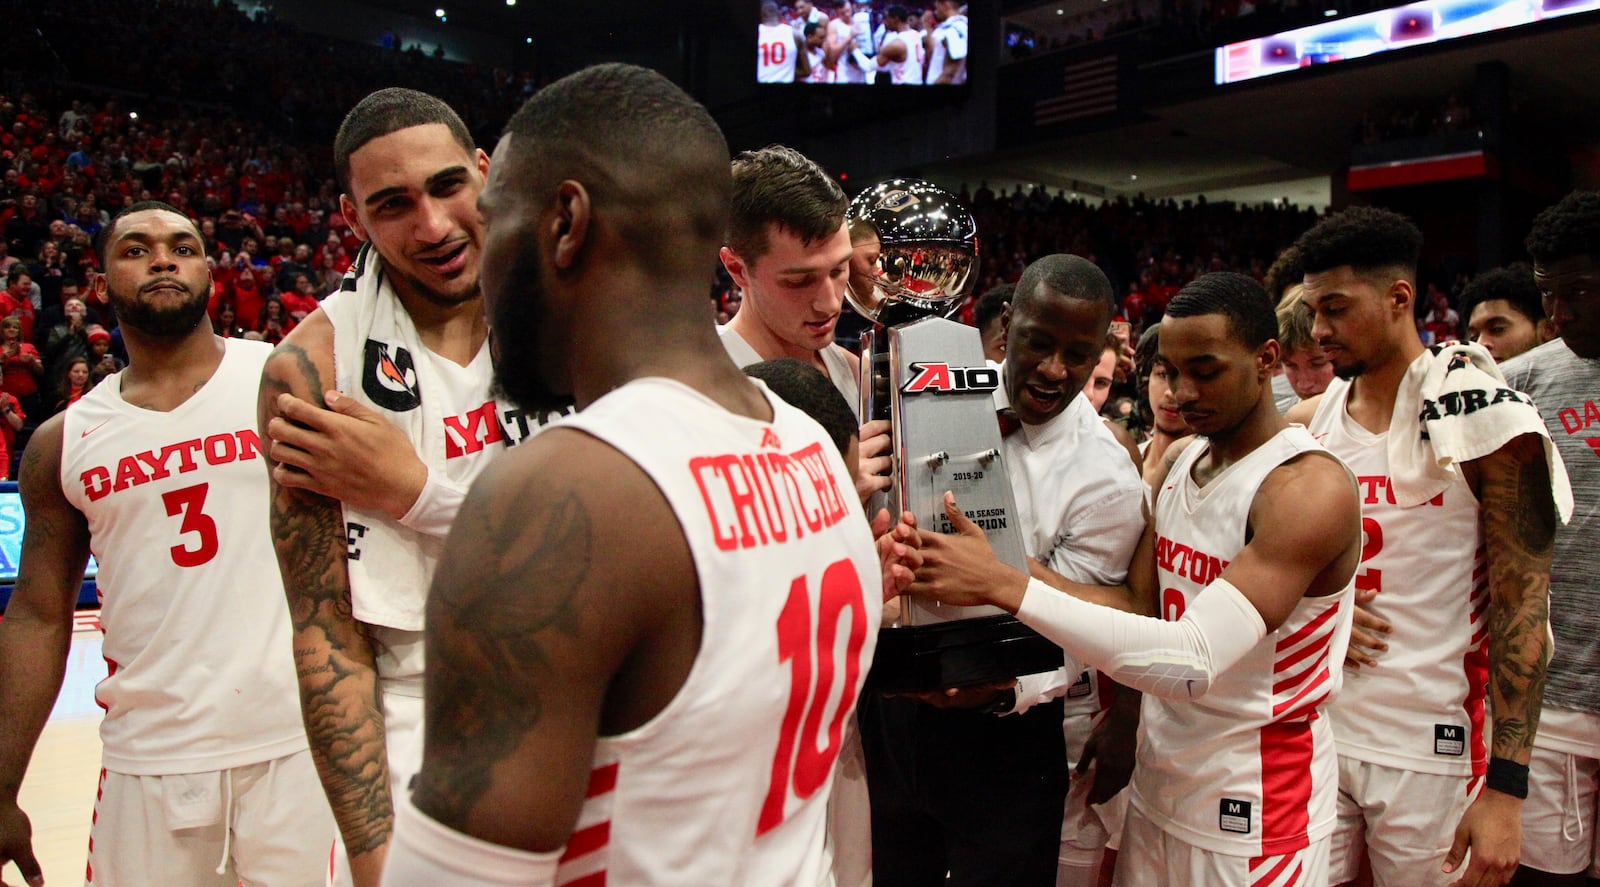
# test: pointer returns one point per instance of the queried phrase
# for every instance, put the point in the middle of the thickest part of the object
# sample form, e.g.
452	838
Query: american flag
1088	89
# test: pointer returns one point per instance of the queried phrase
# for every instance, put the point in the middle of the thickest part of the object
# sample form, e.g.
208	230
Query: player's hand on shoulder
347	451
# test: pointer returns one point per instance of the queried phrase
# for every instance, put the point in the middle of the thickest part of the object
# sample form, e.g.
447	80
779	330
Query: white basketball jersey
1250	768
197	637
949	47
910	70
729	784
775	54
1422	708
847	70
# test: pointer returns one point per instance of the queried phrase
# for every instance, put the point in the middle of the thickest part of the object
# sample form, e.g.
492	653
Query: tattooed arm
37	631
566	607
1519	519
339	699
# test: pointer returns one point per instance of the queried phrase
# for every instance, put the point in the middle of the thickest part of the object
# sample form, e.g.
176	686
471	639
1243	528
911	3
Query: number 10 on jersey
805	757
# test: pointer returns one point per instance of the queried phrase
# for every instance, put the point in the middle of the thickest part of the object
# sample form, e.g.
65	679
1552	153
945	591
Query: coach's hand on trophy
346	452
876	458
995	697
961	569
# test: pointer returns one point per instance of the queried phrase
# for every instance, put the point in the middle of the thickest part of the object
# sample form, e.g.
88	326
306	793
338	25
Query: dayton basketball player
1563	377
403	346
624	630
1236	771
206	776
1457	560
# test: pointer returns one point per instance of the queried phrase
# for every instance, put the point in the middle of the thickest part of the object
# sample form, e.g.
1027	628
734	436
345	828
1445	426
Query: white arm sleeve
424	853
436	506
1173	660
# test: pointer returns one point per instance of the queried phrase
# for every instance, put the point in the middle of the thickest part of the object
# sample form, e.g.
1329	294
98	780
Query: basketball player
621	642
780	52
1503	312
1235	768
902	53
1457	560
206	776
822	57
947	63
1080	503
843	29
1166	423
789	251
405	337
1306	368
1563	377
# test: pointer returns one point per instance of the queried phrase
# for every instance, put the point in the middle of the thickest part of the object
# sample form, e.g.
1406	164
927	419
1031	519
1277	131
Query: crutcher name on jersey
182	457
768	498
1184	560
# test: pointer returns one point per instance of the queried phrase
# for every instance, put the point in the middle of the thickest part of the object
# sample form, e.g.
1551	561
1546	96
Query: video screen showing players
875	42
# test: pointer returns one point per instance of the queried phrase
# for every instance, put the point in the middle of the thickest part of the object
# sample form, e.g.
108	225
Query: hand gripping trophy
915	259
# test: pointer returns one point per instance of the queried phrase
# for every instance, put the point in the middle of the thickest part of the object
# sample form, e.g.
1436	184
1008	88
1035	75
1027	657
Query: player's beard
1350	370
515	326
168	322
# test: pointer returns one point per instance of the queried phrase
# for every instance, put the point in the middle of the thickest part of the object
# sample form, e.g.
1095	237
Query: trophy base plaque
957	654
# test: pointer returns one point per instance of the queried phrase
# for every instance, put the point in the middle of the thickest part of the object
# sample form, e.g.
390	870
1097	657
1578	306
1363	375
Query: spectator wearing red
11	418
300	298
243	293
75	383
22	365
17	300
102	362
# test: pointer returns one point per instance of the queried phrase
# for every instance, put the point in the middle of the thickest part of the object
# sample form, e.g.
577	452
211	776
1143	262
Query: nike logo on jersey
90	431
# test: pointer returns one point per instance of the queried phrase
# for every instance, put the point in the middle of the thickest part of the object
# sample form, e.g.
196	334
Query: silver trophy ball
916	252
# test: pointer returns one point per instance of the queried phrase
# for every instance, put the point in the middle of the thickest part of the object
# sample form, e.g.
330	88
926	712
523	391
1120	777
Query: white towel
1468	411
379	360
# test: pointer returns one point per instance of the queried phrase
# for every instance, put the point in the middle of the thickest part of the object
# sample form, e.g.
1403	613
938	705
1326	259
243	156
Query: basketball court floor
58	792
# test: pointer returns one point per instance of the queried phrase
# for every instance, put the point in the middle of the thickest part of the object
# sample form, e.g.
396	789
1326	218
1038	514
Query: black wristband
1508	777
1003	704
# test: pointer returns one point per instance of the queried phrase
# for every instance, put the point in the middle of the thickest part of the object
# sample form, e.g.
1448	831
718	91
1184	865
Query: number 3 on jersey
189	503
800	763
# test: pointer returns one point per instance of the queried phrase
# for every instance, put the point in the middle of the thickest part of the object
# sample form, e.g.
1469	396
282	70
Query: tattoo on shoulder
488	626
278	381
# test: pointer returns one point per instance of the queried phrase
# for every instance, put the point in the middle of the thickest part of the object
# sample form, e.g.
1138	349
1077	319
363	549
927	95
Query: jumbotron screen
1431	21
837	42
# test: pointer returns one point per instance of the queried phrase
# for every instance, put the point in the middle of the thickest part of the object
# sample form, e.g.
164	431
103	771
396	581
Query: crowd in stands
231	135
245	150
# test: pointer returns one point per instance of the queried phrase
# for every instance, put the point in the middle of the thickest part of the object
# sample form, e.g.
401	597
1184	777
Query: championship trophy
915	259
